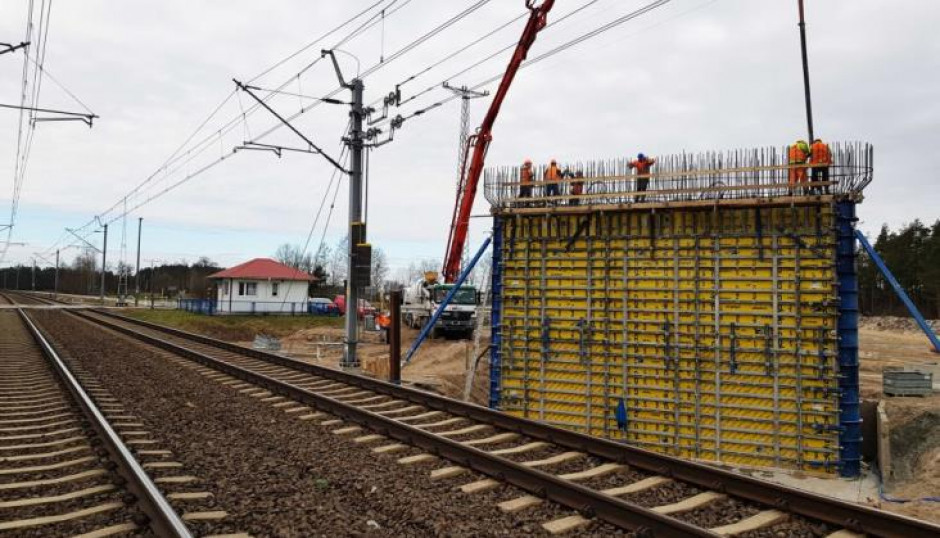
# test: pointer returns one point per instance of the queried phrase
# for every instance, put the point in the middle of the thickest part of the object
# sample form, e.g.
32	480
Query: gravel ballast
273	474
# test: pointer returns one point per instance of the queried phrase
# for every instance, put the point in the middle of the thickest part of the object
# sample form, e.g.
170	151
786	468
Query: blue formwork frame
496	292
850	420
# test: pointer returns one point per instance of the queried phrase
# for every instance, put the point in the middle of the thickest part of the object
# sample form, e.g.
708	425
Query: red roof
263	269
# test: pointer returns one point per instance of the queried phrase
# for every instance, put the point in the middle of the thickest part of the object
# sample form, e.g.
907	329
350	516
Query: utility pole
140	225
34	274
359	251
809	101
104	260
55	285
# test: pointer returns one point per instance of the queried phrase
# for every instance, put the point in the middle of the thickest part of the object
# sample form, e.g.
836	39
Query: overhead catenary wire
200	147
376	67
560	48
491	56
313	43
23	146
209	140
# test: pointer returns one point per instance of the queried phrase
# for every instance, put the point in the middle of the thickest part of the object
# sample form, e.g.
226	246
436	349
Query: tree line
83	277
912	253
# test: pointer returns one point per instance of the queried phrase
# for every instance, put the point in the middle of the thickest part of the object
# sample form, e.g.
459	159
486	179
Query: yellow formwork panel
715	328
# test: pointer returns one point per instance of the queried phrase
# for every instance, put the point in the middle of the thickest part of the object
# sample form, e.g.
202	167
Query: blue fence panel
197	306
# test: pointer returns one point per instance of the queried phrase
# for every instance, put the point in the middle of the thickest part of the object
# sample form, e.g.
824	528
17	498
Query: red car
364	307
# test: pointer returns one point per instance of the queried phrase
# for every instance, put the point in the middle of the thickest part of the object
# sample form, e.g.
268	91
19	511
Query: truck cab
423	298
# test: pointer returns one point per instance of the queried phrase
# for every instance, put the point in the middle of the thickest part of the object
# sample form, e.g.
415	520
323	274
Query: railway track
24	299
64	468
647	493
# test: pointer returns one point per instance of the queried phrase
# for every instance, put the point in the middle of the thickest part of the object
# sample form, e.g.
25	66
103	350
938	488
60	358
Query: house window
251	288
225	287
274	287
241	289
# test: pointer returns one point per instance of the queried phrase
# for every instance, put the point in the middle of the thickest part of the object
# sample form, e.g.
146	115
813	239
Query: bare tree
295	257
417	269
379	268
339	262
321	262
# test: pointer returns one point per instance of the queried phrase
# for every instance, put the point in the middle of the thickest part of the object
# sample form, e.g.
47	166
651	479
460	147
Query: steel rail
618	512
164	521
854	517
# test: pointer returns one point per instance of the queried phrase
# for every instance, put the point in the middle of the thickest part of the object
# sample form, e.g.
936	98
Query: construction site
631	344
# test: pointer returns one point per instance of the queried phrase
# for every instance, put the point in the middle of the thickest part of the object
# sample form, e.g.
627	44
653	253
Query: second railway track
64	469
23	299
598	480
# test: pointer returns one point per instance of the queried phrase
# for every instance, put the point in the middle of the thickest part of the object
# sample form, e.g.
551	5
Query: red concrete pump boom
467	189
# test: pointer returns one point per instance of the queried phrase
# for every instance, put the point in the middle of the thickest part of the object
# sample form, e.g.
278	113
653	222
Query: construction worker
577	187
551	178
820	158
642	164
384	323
525	179
797	155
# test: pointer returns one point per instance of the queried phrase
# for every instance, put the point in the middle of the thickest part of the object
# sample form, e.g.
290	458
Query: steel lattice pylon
466	94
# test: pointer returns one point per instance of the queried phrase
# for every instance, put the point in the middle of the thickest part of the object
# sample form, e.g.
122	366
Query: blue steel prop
850	418
426	330
496	308
900	291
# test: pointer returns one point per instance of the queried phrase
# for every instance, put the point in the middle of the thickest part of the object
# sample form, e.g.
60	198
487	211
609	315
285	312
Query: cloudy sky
693	75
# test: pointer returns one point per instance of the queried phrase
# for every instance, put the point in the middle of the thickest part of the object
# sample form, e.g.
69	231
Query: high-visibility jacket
820	154
525	176
798	154
642	167
552	173
384	321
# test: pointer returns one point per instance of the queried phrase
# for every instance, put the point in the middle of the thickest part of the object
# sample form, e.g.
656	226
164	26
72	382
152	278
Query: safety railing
685	177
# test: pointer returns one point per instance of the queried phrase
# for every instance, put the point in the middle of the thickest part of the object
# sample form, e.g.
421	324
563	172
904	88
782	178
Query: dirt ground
440	365
914	421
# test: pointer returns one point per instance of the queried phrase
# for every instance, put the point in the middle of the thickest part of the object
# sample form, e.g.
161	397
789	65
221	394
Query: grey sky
694	75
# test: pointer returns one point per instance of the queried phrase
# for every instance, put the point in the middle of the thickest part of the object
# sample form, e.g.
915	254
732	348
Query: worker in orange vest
642	164
552	176
577	187
384	322
797	155
525	179
820	157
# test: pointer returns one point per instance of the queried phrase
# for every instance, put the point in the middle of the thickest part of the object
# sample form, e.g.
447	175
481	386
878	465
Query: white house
262	286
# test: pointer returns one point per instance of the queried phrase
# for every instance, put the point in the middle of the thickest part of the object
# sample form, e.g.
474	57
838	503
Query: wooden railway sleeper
802	503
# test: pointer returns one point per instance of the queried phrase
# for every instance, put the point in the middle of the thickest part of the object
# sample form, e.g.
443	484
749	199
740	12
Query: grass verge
234	328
